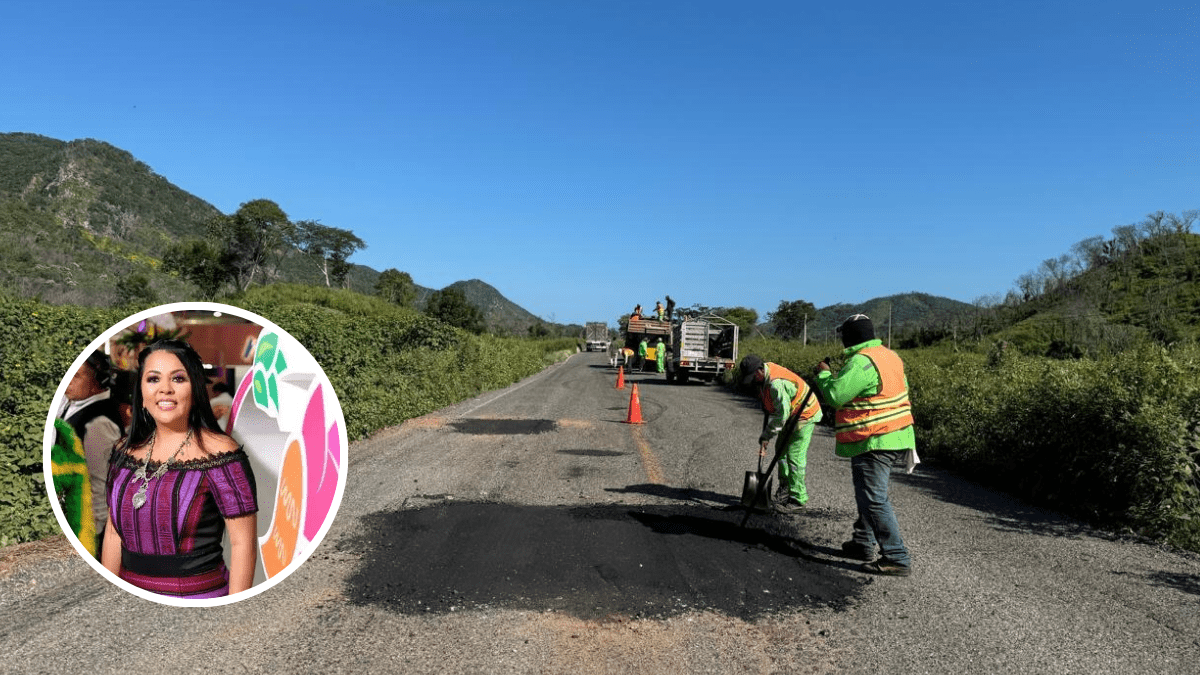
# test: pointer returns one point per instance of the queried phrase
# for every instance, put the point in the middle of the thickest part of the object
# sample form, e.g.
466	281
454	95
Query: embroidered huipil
172	544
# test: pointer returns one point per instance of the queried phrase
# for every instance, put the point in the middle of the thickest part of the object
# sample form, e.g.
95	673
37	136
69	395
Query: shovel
756	491
752	495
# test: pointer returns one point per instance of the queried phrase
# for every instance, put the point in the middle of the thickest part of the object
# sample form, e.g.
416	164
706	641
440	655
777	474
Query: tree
201	263
1090	252
745	318
790	318
396	286
328	247
135	289
250	238
451	306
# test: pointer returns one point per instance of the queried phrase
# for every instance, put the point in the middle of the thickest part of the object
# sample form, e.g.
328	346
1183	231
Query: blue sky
583	157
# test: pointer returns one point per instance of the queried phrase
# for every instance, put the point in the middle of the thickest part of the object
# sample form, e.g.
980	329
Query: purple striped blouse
185	507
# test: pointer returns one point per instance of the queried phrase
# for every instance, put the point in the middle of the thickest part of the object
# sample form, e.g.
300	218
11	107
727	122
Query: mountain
905	312
78	217
501	315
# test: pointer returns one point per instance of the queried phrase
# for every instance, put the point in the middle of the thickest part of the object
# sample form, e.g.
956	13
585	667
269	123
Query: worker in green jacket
874	428
660	355
792	412
643	350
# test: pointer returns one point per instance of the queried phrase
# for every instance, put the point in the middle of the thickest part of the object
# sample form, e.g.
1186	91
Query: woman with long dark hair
176	484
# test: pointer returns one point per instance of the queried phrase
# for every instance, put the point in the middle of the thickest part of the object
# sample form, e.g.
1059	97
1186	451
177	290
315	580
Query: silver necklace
140	498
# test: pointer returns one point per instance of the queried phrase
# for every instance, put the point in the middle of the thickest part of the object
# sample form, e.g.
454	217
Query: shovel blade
756	490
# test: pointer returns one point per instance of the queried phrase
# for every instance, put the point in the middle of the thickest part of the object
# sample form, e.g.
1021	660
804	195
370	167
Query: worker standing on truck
874	428
793	411
660	355
637	313
658	310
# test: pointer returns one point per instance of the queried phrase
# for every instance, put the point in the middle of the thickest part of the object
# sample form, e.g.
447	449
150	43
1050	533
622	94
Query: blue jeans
876	520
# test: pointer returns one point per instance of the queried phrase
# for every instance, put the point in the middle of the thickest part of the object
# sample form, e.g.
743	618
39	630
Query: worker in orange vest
793	411
874	428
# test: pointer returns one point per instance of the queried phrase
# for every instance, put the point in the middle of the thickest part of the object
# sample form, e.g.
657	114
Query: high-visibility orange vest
885	412
778	372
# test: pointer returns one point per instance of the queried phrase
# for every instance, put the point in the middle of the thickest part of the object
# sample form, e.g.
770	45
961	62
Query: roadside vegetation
1078	391
387	364
1113	440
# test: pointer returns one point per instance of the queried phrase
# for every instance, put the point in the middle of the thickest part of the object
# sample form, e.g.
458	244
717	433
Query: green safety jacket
859	379
778	394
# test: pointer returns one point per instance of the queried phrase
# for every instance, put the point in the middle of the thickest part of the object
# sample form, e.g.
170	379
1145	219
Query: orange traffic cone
635	408
620	377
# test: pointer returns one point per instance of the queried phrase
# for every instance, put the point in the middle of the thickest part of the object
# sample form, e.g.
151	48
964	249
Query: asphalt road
531	530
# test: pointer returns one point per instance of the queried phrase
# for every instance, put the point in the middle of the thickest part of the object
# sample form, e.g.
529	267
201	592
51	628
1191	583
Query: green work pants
794	459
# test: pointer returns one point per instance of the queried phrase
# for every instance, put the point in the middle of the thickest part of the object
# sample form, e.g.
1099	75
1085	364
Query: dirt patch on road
17	556
694	642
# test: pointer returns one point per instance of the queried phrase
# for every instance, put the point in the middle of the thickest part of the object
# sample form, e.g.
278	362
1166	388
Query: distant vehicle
595	336
701	347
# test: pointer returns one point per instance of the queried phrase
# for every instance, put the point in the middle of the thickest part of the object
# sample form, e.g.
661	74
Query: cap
749	367
856	330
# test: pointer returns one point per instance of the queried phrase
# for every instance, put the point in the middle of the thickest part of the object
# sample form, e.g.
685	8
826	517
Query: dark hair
101	368
200	416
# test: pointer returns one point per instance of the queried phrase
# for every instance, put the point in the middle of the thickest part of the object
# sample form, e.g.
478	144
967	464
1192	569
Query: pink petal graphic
237	402
322	472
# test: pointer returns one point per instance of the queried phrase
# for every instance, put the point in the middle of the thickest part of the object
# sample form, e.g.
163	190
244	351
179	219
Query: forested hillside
85	223
77	218
1104	295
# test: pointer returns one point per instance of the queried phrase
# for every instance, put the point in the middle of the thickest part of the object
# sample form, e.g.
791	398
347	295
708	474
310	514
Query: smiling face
166	389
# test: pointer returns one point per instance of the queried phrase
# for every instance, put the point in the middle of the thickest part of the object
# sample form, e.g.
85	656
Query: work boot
857	551
886	567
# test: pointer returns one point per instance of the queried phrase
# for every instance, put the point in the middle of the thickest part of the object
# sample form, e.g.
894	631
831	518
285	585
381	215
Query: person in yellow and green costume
874	428
660	355
95	415
71	485
792	412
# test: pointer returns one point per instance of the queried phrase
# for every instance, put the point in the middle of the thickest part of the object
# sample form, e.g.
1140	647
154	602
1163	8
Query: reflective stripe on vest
882	413
778	372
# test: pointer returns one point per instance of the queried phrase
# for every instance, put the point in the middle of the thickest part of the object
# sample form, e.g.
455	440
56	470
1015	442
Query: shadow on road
591	562
1186	583
1001	511
678	493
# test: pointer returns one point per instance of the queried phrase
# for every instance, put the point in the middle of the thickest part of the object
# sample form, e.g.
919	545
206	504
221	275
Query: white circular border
48	439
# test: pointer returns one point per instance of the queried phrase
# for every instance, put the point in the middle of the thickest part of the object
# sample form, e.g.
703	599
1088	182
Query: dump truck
595	336
701	347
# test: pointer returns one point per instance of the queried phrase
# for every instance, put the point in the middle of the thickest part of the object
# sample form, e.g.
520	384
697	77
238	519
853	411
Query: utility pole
805	343
889	325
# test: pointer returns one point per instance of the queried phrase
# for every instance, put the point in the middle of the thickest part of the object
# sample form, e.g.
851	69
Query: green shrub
386	363
1113	439
38	343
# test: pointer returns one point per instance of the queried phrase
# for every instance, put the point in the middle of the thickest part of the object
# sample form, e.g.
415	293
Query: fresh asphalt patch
591	562
503	427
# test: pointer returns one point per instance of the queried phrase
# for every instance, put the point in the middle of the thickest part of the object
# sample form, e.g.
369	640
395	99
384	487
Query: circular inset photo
195	454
